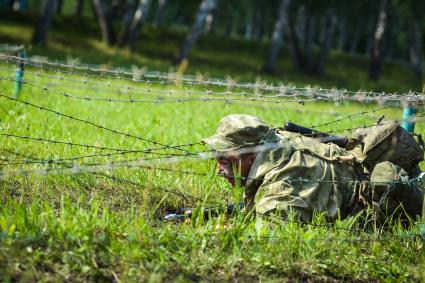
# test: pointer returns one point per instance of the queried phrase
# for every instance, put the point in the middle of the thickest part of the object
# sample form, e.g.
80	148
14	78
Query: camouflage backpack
388	142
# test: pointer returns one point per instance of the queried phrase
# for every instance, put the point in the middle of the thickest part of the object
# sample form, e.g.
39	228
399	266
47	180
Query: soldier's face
235	168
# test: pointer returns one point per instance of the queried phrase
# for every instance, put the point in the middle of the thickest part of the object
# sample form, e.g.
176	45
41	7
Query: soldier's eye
226	163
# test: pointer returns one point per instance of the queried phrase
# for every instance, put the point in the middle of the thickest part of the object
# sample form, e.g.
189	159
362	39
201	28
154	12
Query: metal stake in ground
409	114
19	73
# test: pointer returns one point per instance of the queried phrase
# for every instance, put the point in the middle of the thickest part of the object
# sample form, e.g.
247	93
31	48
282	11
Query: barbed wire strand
364	112
73	144
304	110
163	146
411	99
227	94
176	79
161	100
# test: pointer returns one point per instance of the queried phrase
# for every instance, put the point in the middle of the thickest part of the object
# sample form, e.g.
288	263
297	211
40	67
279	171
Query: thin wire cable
41	108
349	117
69	143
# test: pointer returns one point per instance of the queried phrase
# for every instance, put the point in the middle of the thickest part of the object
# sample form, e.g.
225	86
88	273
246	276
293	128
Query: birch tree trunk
330	24
159	17
277	36
129	11
355	38
9	3
378	36
342	33
48	10
196	31
249	28
59	7
209	22
229	24
415	48
258	21
308	40
294	45
131	35
105	22
79	6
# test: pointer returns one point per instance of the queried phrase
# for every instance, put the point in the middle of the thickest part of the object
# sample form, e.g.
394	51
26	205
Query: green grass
88	227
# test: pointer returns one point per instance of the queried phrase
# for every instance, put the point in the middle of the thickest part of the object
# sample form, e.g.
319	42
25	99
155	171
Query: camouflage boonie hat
236	131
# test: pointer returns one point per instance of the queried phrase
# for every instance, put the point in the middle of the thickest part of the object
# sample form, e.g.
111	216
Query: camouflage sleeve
299	187
277	197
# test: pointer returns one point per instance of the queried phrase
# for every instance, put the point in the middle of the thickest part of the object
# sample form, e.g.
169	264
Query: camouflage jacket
302	175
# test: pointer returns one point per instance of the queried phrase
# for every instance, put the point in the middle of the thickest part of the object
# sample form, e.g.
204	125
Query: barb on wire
348	117
163	146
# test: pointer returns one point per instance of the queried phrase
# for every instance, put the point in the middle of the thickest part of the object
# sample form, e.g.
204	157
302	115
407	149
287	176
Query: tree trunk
105	22
342	33
9	3
249	26
59	7
159	17
294	45
258	21
378	35
300	23
47	12
415	48
196	31
214	22
129	11
79	6
229	24
131	35
308	40
23	5
330	24
209	21
355	38
277	36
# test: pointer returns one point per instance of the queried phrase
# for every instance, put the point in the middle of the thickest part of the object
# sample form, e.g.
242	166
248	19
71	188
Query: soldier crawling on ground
282	171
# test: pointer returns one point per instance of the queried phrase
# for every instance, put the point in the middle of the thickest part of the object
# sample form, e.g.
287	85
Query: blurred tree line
308	29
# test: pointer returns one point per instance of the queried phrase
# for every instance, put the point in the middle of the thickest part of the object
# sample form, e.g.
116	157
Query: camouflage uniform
296	173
